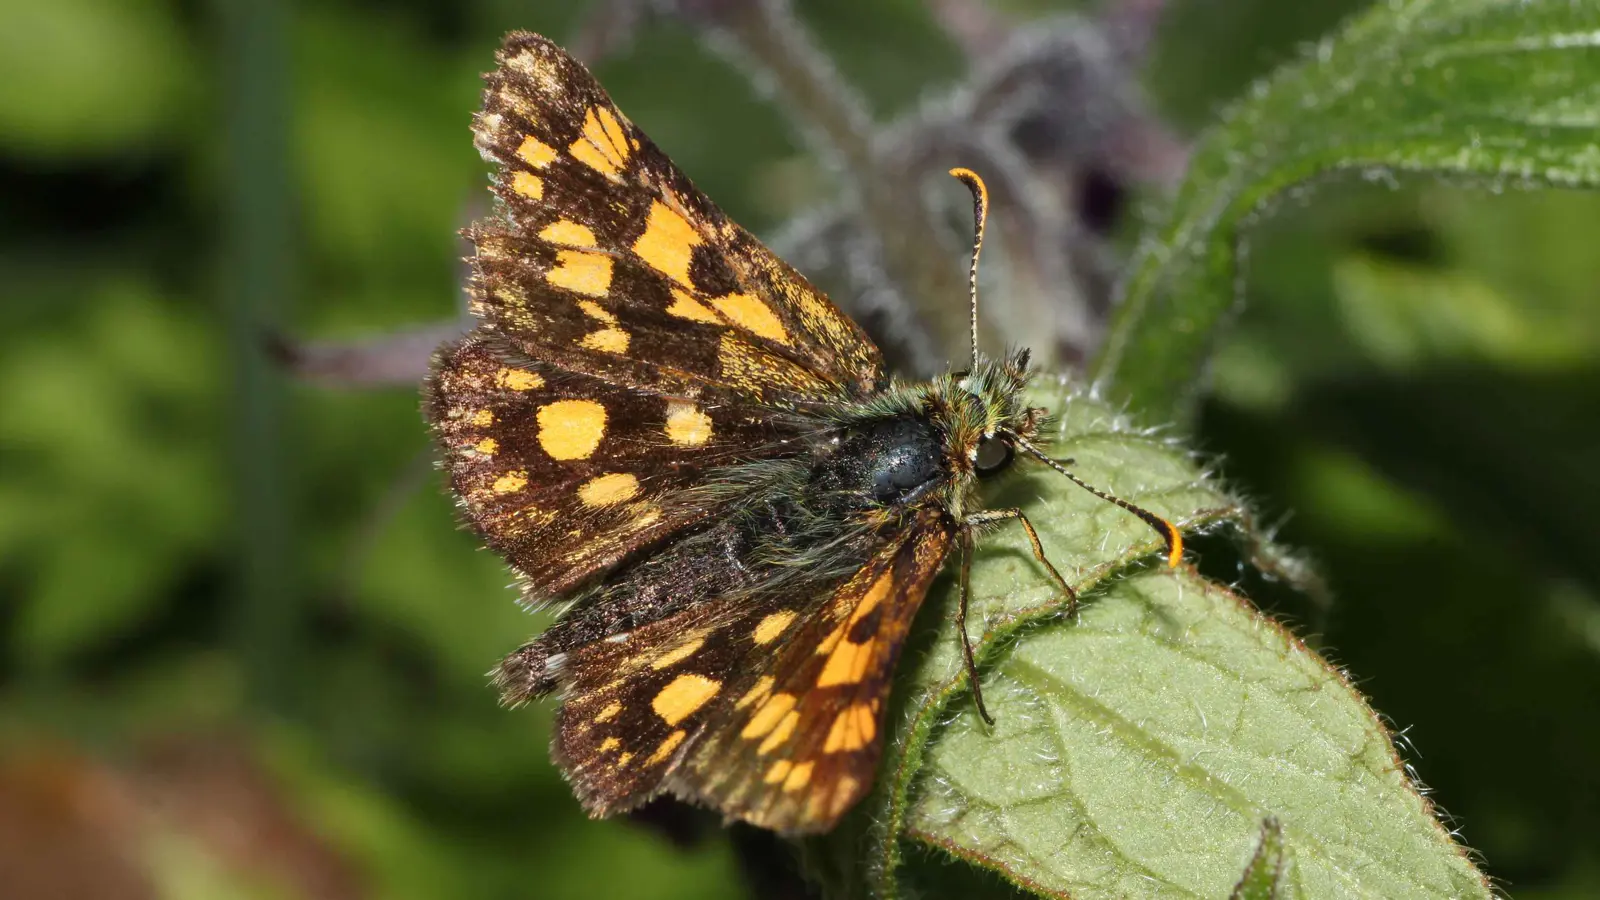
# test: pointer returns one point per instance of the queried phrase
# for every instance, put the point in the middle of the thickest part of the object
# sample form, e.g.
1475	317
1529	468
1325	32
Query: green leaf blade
1138	749
1136	753
1490	91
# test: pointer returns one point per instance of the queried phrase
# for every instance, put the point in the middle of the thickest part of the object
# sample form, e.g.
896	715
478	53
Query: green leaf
1503	93
1138	749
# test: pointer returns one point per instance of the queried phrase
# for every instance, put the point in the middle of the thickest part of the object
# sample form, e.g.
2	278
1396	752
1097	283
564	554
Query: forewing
565	474
607	260
767	707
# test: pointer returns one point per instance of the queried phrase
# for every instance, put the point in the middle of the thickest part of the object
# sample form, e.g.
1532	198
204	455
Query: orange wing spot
589	155
766	718
867	604
536	153
566	231
678	654
687	424
571	429
667	746
780	734
875	594
614	135
852	729
845	792
768	629
518	379
749	312
597	312
609	489
798	777
759	692
528	185
847	661
483	418
581	272
606	340
667	243
486	447
777	772
609	744
511	482
603	146
847	664
687	693
686	307
609	713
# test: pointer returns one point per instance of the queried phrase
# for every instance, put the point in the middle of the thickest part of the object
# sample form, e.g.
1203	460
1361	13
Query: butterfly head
989	415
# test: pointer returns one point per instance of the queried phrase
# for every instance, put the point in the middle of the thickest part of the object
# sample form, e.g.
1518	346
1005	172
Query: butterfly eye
994	454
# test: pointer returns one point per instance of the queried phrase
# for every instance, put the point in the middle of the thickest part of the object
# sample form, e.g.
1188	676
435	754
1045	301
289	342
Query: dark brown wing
767	707
608	261
564	474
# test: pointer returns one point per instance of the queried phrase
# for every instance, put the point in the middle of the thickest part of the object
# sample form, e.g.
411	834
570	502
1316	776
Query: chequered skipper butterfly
668	430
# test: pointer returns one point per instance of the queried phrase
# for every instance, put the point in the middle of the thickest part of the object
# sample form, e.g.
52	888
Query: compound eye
994	454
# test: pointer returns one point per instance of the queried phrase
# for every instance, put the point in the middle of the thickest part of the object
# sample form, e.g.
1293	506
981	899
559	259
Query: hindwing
768	706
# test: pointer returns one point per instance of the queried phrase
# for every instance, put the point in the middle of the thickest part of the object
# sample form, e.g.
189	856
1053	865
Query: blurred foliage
1414	379
1457	88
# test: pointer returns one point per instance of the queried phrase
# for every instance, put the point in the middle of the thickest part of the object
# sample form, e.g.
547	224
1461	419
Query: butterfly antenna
980	215
1168	531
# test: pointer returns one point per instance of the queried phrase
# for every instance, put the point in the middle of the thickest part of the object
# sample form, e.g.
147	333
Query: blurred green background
244	642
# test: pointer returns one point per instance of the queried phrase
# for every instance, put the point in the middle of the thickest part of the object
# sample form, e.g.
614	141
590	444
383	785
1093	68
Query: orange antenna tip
1174	544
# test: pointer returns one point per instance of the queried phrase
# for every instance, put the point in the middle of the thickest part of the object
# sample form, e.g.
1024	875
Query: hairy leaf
1502	93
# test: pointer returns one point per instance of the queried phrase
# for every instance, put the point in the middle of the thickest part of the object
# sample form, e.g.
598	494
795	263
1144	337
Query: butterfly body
674	437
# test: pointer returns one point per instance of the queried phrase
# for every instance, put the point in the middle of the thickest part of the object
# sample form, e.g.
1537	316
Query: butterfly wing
631	337
607	260
564	474
769	707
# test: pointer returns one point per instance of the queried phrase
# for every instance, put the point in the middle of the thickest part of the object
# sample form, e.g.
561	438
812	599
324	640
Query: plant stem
256	283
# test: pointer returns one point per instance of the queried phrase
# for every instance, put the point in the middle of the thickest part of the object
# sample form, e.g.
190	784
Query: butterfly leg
961	625
1000	515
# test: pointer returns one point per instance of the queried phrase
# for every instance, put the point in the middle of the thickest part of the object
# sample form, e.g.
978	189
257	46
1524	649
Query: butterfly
677	440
